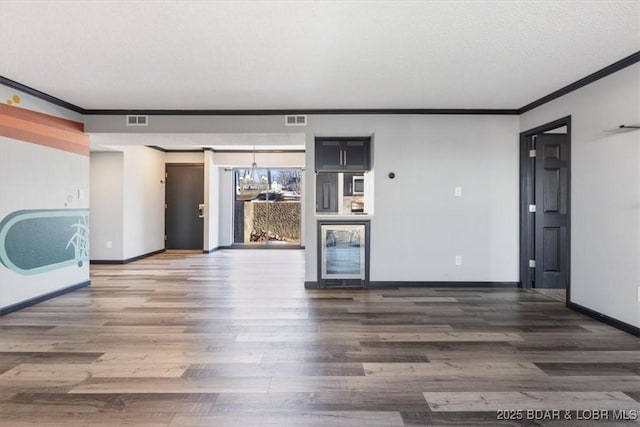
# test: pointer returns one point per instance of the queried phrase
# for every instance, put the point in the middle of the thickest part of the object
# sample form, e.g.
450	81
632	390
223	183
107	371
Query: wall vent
137	120
295	120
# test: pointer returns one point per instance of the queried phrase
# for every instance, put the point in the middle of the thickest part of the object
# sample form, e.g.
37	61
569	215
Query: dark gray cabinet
327	192
343	154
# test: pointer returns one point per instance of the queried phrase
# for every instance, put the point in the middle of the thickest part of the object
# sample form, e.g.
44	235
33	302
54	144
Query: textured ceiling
274	54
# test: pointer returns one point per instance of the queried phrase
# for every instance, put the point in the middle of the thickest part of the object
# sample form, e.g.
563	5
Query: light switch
458	192
80	194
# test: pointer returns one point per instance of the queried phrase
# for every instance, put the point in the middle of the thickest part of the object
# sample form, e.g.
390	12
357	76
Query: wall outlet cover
458	260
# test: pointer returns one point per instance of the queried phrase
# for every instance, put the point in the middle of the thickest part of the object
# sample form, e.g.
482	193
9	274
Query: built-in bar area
344	193
344	177
344	203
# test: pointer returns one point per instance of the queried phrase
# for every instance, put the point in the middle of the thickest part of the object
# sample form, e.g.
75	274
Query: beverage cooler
343	255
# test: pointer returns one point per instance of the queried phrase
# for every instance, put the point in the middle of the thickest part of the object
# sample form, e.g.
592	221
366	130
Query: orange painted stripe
43	129
44	119
45	140
20	124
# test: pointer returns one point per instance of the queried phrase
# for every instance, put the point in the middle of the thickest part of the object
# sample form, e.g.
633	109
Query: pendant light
251	184
254	169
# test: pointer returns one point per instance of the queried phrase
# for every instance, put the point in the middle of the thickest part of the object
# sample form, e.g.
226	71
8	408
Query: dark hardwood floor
232	338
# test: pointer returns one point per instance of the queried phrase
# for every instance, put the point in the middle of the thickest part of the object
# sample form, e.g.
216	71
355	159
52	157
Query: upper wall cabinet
339	154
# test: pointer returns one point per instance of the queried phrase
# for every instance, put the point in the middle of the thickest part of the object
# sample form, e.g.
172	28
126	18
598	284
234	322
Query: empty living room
319	213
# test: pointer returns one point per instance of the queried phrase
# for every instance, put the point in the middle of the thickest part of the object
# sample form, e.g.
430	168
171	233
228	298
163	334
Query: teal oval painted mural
37	241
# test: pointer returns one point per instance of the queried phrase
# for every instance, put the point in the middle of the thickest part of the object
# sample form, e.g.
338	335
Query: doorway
184	197
545	208
270	216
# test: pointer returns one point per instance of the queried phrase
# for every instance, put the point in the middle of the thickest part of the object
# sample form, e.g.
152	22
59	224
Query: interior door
184	196
552	210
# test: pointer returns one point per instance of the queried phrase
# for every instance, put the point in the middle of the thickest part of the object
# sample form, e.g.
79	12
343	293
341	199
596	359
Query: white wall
171	157
107	172
293	159
211	203
227	195
51	181
128	203
605	191
419	226
144	191
38	177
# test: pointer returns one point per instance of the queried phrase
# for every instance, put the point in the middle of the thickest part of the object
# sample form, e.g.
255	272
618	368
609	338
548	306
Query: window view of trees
277	184
267	207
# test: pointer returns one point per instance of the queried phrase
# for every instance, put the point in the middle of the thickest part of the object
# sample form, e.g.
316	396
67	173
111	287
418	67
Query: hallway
232	338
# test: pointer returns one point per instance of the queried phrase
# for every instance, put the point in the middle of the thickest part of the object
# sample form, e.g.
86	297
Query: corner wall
128	203
44	199
212	203
605	191
143	226
107	241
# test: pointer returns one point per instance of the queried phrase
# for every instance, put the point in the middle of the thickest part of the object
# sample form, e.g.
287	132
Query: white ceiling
310	54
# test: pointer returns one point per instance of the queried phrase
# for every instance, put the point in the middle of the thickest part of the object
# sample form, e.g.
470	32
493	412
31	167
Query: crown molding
41	95
311	111
610	69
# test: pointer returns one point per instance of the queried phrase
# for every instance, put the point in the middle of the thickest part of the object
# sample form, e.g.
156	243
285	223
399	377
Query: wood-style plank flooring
232	338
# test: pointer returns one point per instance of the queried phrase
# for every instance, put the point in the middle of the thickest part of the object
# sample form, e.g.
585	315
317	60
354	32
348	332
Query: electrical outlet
458	192
458	260
638	293
109	244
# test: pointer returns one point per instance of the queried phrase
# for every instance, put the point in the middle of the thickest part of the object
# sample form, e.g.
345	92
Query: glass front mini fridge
343	253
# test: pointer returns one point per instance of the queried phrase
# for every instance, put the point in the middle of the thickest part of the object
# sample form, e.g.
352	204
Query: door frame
186	164
527	181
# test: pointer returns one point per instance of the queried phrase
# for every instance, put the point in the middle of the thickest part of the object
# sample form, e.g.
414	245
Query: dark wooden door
184	195
327	192
552	211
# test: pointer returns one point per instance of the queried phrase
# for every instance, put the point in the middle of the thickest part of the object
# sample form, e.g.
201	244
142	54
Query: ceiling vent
295	120
137	120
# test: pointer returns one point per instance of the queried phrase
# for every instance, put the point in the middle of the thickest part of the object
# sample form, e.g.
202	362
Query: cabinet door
355	155
327	192
348	184
328	155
